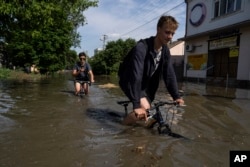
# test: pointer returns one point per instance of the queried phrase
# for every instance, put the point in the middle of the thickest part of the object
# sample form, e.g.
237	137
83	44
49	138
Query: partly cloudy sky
127	19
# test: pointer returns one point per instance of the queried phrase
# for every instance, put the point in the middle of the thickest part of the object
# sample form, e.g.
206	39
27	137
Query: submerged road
44	124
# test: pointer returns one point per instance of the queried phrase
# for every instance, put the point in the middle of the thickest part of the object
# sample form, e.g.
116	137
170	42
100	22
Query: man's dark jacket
138	78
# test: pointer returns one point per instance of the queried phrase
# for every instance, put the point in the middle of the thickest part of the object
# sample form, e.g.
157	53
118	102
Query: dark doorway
222	64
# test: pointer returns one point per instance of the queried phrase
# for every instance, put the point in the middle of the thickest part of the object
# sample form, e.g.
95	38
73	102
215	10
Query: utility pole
104	41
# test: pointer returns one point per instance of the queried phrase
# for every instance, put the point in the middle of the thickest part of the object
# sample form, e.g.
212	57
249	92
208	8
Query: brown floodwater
42	124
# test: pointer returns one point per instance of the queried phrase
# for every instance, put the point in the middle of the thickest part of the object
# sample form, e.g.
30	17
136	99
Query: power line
154	8
137	13
149	9
152	19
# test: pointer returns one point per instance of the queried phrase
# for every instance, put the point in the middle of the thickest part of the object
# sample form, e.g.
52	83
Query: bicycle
82	92
163	128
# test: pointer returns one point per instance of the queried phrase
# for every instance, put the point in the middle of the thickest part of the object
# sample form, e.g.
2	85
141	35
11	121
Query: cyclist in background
82	72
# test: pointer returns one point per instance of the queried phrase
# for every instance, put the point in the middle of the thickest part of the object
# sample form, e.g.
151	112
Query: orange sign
197	62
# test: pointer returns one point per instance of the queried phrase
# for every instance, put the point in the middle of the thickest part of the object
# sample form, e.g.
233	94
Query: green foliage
108	61
71	58
4	73
97	63
42	32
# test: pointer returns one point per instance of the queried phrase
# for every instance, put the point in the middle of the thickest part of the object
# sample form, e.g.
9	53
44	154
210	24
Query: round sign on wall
197	14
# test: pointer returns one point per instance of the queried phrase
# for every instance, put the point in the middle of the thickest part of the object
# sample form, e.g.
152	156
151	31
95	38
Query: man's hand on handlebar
180	102
140	113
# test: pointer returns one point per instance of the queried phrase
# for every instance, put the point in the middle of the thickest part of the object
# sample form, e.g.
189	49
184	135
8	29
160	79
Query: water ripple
6	102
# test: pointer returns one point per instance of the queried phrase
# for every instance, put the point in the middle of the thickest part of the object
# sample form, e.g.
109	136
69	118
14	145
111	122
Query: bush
4	73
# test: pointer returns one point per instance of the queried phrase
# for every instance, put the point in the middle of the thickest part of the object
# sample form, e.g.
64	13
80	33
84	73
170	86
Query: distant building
97	50
217	41
177	50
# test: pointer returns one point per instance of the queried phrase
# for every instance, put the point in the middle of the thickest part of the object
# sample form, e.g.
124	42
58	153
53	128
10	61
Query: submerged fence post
227	82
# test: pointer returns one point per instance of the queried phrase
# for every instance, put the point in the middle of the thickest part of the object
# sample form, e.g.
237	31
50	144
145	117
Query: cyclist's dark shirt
83	76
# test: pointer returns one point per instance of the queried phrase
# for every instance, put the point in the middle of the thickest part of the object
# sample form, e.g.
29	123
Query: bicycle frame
159	119
81	86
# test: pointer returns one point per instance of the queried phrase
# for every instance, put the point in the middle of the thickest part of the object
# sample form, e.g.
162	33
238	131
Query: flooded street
42	124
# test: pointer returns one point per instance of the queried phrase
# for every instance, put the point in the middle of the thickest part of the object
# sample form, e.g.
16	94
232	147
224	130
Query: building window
222	7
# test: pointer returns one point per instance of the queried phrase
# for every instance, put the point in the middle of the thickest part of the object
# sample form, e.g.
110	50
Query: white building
97	50
217	41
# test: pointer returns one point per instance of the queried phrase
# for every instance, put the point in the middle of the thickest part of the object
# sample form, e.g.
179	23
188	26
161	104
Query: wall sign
197	62
197	14
223	43
234	52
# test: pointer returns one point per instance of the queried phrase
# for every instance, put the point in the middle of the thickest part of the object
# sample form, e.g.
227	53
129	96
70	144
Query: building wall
200	47
210	23
177	53
200	35
244	58
178	50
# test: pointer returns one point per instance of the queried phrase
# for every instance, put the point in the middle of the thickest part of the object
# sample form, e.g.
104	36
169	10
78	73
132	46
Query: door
222	64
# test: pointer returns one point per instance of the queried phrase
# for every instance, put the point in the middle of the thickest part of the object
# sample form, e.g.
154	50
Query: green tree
108	61
42	32
71	59
98	64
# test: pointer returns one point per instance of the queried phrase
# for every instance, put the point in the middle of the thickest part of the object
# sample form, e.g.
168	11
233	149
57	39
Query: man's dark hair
82	54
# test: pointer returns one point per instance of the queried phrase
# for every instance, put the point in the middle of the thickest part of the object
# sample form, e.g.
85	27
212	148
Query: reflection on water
44	124
6	101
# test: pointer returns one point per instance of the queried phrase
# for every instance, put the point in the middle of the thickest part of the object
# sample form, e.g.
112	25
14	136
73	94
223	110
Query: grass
4	73
17	74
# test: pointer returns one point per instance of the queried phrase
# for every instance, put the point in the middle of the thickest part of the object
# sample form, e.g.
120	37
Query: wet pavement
44	124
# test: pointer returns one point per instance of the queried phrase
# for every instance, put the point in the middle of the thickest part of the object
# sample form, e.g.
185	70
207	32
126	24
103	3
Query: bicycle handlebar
162	103
157	104
123	102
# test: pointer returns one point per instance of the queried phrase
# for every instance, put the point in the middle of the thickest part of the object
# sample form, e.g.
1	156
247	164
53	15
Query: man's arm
75	72
91	75
136	74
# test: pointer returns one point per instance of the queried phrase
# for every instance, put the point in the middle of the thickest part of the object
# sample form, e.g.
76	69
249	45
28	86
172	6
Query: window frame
224	7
